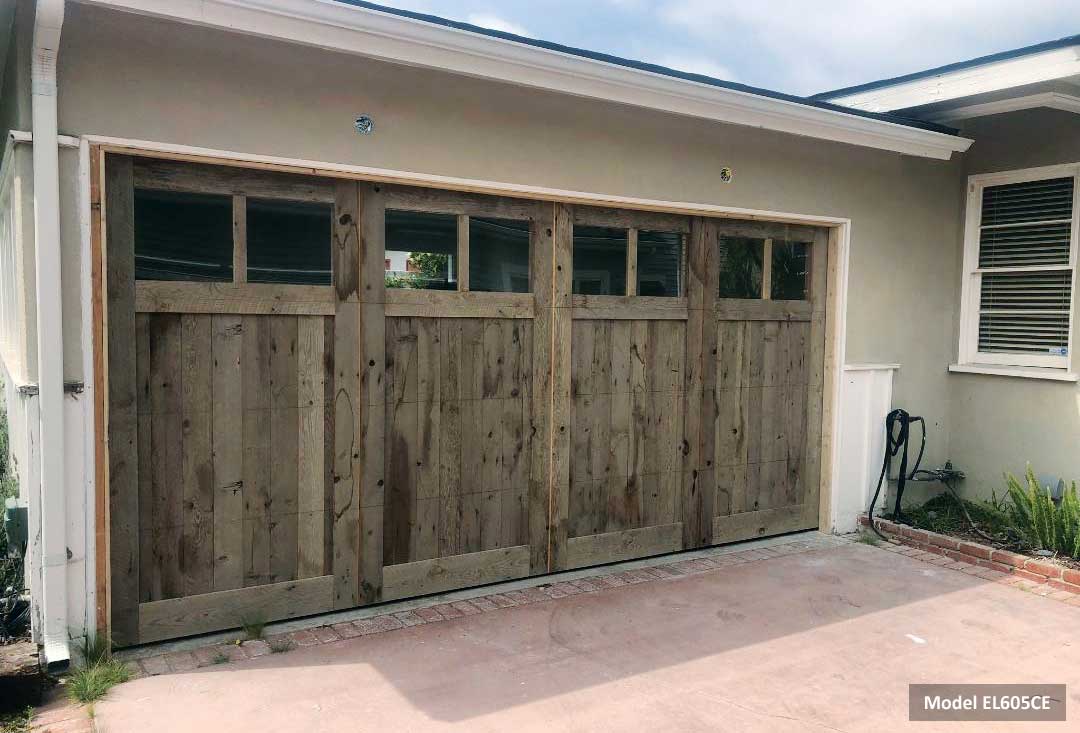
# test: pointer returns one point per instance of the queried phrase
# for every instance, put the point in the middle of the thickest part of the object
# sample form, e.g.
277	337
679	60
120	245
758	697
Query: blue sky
787	45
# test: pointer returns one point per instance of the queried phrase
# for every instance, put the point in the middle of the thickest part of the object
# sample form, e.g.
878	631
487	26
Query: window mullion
463	253
631	261
239	204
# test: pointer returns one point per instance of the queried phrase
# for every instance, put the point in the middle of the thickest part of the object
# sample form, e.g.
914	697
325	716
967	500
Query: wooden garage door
297	424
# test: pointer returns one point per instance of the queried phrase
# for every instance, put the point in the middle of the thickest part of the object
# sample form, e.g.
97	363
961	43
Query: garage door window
764	268
498	255
288	242
599	260
183	236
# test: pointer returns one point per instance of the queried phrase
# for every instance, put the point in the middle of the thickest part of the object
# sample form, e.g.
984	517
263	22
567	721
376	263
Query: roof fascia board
991	77
1052	100
339	27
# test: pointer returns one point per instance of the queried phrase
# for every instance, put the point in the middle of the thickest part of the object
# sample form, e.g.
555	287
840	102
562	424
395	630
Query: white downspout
48	21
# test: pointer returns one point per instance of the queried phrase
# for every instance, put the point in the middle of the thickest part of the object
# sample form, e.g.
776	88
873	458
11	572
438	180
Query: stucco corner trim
1056	375
367	32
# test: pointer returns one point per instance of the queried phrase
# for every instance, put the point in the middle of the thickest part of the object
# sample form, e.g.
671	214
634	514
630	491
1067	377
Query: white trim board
340	27
995	76
1050	100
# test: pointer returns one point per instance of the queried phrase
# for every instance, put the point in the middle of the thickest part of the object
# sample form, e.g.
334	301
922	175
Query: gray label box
1044	703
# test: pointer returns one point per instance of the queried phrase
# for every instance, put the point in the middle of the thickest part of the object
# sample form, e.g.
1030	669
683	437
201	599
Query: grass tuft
99	673
869	539
280	645
253	628
219	658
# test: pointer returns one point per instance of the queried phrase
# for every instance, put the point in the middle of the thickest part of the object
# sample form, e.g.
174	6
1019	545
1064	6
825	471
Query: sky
784	45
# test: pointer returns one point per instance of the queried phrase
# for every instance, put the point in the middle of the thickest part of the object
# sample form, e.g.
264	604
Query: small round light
364	125
726	175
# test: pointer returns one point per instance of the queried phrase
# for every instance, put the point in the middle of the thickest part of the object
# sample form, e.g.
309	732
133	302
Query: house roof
1015	53
645	66
404	37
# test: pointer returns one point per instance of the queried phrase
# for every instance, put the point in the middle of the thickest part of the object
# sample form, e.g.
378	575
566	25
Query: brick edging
436	611
972	553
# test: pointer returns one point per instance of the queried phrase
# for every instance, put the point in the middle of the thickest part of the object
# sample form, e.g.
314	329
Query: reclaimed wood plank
197	421
755	524
239	298
311	453
542	268
255	370
228	449
459	571
123	423
284	424
229	609
623	545
166	453
562	243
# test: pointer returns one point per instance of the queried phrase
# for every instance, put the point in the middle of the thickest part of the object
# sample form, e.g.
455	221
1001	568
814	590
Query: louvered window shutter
1025	271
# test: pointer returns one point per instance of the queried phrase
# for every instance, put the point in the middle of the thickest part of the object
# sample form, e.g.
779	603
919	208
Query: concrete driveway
825	639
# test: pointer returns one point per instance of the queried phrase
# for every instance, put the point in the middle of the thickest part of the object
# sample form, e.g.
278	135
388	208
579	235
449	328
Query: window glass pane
659	263
422	250
182	236
599	261
288	242
498	255
790	270
740	267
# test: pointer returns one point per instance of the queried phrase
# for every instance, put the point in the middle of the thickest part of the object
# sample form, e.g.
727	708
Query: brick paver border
442	610
1027	573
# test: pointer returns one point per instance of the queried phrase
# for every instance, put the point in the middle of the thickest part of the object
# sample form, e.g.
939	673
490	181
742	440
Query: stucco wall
135	77
1001	423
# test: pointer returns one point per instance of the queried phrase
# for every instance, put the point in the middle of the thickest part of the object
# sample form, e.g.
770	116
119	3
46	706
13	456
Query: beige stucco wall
1002	423
128	76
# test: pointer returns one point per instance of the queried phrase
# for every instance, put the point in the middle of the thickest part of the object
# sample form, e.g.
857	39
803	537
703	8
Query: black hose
897	435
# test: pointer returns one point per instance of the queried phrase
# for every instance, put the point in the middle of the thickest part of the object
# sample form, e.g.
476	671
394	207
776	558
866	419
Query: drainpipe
54	552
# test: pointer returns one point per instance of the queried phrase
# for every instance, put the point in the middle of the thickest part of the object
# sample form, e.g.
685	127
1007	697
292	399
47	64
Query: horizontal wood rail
409	303
624	545
229	609
763	310
751	525
153	296
457	571
629	307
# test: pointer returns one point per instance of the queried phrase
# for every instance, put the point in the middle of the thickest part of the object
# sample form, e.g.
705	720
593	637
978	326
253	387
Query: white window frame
970	357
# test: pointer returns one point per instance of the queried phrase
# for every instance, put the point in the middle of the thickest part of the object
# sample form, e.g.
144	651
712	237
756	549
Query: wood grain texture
123	423
230	609
406	303
240	298
621	545
459	571
228	180
754	525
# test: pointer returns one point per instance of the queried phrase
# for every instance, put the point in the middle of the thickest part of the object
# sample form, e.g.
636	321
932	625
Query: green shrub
1042	523
99	672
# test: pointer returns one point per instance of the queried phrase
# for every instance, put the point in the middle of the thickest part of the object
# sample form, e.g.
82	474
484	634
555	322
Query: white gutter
350	29
47	24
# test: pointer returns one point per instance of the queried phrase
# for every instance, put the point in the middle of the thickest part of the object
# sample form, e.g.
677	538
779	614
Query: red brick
210	654
502	600
303	638
668	571
181	661
568	588
347	630
587	585
980	551
409	618
255	648
448	611
377	624
466	608
610	581
428	614
1000	567
918	535
1008	558
1062	585
961	557
483	603
942	541
956	565
325	634
1028	575
554	591
1070	576
532	595
1045	569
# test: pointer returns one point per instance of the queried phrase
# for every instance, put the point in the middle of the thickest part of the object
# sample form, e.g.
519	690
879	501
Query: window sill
1057	375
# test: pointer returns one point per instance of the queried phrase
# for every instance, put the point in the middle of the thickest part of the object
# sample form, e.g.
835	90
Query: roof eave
339	27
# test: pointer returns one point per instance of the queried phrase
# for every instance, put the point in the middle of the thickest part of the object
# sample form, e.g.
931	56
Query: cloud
495	23
809	47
